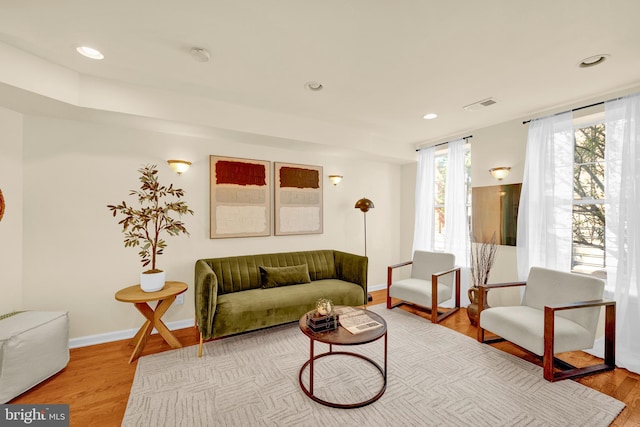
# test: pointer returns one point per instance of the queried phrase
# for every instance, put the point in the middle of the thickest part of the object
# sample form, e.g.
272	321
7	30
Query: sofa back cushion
240	273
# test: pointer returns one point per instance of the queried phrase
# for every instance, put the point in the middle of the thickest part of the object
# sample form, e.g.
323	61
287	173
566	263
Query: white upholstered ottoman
34	345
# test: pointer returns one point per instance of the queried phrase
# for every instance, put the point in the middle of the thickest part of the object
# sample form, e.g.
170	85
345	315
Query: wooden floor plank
97	381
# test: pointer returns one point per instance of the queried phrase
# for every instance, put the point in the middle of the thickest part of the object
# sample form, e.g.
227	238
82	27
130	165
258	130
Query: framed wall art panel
1	205
495	213
240	197
298	199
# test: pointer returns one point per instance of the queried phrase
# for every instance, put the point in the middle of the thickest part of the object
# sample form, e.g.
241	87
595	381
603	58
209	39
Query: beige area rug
436	377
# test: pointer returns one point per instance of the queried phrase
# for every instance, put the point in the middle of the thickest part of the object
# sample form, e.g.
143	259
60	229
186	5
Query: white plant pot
152	282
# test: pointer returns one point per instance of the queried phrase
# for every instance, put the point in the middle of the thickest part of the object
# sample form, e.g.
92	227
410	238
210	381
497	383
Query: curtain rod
576	109
442	143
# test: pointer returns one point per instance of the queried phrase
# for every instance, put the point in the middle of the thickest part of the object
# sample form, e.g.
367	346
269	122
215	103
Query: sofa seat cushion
525	325
418	291
259	308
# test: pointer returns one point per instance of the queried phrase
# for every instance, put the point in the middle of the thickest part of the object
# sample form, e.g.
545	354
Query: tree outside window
588	251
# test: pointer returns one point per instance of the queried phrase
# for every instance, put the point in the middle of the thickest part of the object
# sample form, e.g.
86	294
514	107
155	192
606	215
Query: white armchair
434	279
559	312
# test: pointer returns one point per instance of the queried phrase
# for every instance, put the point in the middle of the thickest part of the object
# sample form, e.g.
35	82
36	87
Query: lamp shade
364	204
500	173
335	179
179	166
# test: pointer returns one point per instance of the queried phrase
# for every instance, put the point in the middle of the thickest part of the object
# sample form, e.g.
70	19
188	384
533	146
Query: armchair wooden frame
548	360
436	316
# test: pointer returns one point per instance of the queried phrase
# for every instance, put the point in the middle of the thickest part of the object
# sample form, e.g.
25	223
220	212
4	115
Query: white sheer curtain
456	221
423	230
545	211
622	192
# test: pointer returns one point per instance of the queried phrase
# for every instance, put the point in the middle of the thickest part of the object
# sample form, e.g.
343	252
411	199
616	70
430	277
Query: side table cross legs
165	297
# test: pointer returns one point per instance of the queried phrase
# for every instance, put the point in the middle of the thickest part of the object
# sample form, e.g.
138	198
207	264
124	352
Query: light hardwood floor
97	381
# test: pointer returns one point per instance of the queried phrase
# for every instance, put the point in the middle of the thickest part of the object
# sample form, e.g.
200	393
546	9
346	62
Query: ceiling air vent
480	104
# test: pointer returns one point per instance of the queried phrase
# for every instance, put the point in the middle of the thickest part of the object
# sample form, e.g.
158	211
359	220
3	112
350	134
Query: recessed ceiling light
313	86
593	60
90	52
430	116
200	54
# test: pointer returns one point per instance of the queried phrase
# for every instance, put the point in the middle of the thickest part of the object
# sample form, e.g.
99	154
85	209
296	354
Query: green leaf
143	226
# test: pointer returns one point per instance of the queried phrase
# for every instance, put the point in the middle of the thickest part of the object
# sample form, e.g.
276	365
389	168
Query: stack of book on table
319	323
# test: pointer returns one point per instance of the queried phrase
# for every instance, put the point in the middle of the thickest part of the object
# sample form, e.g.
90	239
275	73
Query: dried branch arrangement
482	258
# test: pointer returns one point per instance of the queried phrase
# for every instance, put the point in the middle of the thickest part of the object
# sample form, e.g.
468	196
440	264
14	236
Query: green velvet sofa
245	293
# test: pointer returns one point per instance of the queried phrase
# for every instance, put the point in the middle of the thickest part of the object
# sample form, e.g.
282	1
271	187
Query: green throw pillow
272	277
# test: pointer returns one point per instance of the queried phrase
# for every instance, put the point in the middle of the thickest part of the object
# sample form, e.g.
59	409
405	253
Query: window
588	250
440	186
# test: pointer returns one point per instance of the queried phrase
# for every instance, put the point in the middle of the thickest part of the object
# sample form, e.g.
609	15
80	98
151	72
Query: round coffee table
341	336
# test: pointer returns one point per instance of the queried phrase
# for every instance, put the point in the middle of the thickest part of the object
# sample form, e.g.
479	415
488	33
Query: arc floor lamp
364	205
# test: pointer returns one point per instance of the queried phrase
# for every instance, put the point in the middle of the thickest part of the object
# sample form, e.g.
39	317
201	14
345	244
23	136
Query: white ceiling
383	63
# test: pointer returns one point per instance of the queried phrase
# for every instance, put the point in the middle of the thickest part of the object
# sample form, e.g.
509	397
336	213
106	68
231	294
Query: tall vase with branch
144	226
482	258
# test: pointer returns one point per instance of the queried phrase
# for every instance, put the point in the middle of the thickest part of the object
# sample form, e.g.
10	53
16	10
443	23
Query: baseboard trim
122	335
379	287
129	333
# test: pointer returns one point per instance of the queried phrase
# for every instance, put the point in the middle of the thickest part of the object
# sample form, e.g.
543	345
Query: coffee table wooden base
310	362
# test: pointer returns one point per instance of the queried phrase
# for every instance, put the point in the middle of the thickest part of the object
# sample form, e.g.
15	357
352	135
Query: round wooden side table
165	297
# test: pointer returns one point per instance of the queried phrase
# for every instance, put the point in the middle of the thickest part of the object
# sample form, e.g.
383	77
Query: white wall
74	256
408	211
62	249
500	145
11	223
503	144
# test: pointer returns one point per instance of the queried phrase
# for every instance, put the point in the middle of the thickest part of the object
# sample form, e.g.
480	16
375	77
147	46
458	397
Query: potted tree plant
143	226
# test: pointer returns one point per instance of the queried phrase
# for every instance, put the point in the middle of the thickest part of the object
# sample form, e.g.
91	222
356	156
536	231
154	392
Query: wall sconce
179	166
500	173
335	179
